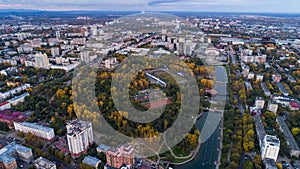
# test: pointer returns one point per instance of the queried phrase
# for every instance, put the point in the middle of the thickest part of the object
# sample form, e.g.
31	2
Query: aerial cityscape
150	84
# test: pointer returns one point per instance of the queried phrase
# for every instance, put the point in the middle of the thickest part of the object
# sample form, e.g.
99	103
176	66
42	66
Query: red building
117	157
9	118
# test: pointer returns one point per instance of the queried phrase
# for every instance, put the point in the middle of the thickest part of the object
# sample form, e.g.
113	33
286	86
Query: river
209	150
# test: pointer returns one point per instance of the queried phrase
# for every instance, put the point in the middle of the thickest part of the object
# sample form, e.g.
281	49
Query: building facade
46	133
10	152
260	102
43	163
42	61
79	136
270	147
117	157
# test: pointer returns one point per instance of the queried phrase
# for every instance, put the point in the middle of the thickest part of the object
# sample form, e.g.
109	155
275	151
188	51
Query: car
295	165
285	165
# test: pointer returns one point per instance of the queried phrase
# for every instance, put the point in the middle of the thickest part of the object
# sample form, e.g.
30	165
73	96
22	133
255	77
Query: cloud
180	2
162	2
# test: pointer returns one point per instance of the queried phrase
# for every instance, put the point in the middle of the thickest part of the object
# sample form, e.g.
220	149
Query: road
232	55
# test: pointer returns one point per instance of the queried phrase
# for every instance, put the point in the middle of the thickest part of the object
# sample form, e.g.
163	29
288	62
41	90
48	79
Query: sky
276	6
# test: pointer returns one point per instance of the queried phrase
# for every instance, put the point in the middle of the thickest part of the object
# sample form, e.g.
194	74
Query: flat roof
36	126
92	161
286	131
43	162
7	151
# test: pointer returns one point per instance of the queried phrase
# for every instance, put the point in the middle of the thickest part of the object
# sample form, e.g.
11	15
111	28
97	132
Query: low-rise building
117	157
92	161
46	133
276	78
103	148
283	100
265	89
110	63
259	77
282	89
290	78
5	106
294	106
43	163
14	91
6	116
10	152
251	75
290	140
18	99
260	102
273	107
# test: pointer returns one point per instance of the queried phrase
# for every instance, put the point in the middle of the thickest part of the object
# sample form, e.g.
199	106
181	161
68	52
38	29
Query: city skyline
274	6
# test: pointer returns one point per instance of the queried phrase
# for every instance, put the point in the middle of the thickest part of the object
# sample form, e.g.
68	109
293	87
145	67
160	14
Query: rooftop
103	147
92	161
4	103
77	126
286	131
36	126
43	163
9	150
259	128
272	139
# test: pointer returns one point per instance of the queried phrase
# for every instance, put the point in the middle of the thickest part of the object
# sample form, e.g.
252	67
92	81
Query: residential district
38	55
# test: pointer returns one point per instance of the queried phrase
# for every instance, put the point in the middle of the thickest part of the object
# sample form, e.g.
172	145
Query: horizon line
163	11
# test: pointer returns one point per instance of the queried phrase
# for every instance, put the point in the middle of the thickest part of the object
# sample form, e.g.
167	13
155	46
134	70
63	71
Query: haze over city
277	6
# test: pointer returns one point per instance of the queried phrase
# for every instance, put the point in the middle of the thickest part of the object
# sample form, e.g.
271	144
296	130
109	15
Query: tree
85	166
248	165
295	131
53	119
60	155
67	159
279	165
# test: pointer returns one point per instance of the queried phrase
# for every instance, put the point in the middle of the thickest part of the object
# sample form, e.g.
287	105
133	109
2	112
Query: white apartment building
42	61
270	147
273	107
4	106
38	130
80	136
259	102
110	63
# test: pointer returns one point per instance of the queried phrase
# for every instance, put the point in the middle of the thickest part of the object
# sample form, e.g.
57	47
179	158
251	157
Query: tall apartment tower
57	34
42	61
80	137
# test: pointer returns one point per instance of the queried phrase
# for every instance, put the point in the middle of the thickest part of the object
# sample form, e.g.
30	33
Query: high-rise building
188	48
180	47
57	34
84	31
117	157
38	130
55	51
270	147
94	30
85	56
80	137
42	61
